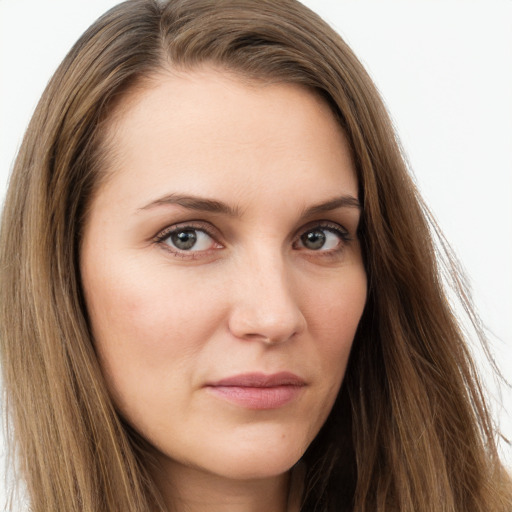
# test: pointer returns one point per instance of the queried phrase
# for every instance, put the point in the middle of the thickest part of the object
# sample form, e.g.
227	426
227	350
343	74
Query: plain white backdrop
444	68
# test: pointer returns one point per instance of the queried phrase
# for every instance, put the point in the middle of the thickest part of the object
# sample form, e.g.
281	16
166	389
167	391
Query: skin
271	285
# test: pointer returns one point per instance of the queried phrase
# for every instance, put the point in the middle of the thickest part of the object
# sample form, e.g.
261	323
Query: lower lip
259	398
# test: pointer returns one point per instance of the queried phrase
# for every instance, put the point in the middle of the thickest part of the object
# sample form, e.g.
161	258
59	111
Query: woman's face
222	271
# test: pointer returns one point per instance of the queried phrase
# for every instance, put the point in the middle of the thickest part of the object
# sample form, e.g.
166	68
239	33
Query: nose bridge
265	305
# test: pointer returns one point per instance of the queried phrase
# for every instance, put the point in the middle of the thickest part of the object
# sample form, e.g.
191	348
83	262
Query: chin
249	459
259	469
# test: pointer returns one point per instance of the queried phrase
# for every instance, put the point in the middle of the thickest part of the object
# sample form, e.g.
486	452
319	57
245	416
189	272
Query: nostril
266	339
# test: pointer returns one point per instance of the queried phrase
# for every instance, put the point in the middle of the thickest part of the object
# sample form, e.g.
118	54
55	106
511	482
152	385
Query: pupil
314	239
184	240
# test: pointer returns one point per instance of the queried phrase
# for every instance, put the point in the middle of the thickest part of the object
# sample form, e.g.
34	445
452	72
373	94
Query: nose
265	303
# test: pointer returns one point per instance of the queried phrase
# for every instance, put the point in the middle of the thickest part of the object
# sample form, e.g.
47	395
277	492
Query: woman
209	214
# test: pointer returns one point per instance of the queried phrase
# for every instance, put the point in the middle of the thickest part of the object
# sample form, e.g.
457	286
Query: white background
444	68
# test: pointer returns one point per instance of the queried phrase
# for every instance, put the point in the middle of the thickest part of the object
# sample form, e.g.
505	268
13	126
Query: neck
192	490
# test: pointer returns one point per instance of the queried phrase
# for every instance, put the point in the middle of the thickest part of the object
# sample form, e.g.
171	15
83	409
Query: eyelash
160	239
164	235
341	233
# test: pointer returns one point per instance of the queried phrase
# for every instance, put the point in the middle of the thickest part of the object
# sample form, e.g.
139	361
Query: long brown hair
410	430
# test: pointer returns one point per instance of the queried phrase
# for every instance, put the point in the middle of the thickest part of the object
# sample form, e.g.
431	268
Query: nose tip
267	312
267	330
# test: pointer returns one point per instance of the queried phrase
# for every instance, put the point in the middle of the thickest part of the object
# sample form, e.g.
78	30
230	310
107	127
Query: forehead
213	131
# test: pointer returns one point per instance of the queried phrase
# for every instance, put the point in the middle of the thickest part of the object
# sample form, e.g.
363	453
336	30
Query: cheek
144	320
129	294
336	308
334	312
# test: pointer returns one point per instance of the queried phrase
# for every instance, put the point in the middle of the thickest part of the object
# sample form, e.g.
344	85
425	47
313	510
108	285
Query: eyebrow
195	203
209	205
345	201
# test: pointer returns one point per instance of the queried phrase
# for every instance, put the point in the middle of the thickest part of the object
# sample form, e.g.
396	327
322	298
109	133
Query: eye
187	239
323	238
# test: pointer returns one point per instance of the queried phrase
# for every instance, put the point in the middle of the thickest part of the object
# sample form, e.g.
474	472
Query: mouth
258	391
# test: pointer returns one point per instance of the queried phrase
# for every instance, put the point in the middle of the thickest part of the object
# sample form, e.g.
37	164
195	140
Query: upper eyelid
322	224
196	225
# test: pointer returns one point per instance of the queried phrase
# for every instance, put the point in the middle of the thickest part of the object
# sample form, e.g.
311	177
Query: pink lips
258	390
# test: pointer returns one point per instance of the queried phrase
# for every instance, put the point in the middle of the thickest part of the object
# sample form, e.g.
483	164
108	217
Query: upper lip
260	380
